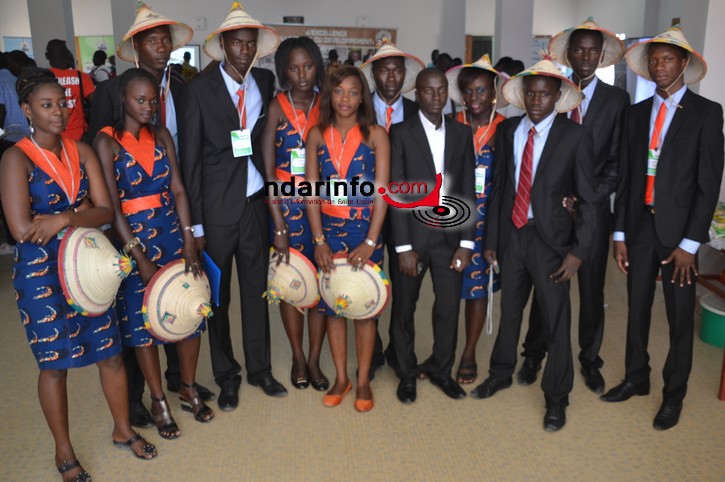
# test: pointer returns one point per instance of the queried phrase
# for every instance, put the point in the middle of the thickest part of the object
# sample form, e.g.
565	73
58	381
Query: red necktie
241	107
654	143
520	214
388	118
162	97
576	116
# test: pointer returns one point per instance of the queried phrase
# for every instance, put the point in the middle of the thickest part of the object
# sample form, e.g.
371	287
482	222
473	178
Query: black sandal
147	449
467	373
81	476
202	413
164	422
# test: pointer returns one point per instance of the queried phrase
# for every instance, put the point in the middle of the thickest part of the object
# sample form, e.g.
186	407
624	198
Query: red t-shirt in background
68	78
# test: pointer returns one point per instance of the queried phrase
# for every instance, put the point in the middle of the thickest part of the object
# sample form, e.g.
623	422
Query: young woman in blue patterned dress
477	87
153	223
49	182
347	143
292	114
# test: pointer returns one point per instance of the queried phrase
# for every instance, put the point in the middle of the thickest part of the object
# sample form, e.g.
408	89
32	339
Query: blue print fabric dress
59	337
476	276
143	179
346	226
289	143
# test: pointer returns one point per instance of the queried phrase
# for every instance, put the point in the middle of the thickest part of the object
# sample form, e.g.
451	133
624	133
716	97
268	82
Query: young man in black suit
150	45
423	146
540	159
670	177
224	117
392	73
585	49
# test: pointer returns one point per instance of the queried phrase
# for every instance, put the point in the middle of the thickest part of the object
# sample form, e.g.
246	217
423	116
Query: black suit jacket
689	171
216	181
102	108
605	116
409	108
411	160
565	167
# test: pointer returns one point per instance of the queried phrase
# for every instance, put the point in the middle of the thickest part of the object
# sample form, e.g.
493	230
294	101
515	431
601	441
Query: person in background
292	115
18	60
101	72
333	62
79	87
433	58
188	71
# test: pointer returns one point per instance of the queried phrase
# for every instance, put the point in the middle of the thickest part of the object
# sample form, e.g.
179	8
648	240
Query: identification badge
297	162
653	156
480	179
241	143
338	192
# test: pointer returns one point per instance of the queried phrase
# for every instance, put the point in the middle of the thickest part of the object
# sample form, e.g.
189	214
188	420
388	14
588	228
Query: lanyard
297	120
55	171
338	161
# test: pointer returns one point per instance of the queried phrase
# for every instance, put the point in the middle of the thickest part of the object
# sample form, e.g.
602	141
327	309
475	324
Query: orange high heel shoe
335	400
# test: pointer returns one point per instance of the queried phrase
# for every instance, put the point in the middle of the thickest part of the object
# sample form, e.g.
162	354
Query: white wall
552	16
480	17
92	17
618	16
14	20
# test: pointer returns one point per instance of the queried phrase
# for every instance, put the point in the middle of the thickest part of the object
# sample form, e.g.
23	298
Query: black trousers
645	255
527	262
591	278
393	274
447	290
246	243
135	377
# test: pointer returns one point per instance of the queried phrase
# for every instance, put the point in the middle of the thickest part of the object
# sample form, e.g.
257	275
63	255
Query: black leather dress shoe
528	371
228	398
204	393
625	391
449	386
668	416
554	418
407	392
489	387
139	415
593	379
268	384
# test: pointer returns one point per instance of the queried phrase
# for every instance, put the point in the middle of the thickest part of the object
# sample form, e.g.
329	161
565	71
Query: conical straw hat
355	293
267	41
175	303
571	96
637	55
147	19
91	270
413	65
294	283
483	63
612	47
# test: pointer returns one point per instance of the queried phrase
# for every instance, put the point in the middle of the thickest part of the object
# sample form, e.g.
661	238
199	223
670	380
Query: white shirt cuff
689	245
404	248
618	236
468	244
198	230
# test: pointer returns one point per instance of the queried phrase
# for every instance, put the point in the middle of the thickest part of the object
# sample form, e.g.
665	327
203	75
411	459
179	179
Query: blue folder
214	274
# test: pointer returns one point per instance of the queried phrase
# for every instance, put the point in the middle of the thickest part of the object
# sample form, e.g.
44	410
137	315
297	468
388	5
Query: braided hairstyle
30	79
119	113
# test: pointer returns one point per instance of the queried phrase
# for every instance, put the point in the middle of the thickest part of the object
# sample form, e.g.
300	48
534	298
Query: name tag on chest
653	157
297	162
480	179
241	143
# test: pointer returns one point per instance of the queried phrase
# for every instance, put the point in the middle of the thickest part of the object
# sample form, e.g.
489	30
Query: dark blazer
409	108
689	171
411	160
216	181
102	107
605	116
564	167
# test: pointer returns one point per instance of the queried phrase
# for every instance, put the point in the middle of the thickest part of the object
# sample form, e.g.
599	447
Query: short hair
333	55
377	62
3	61
582	32
119	113
469	74
99	57
683	53
281	59
56	44
365	114
429	72
30	79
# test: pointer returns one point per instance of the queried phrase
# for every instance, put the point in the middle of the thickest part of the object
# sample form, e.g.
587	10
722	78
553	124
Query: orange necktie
241	108
388	118
654	143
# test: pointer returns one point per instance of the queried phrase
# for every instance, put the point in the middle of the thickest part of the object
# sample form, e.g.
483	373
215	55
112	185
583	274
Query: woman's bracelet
281	232
370	242
130	245
188	228
318	240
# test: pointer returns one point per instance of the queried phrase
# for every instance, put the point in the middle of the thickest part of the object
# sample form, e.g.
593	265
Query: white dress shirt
521	136
171	124
588	92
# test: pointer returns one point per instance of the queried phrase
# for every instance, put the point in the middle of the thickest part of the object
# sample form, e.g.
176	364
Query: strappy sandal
81	476
202	413
147	449
164	422
467	373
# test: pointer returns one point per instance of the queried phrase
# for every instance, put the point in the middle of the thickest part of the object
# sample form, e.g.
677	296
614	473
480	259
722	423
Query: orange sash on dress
479	140
69	176
305	124
143	149
352	143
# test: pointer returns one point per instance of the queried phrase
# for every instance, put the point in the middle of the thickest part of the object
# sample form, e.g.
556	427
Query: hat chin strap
667	89
226	60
